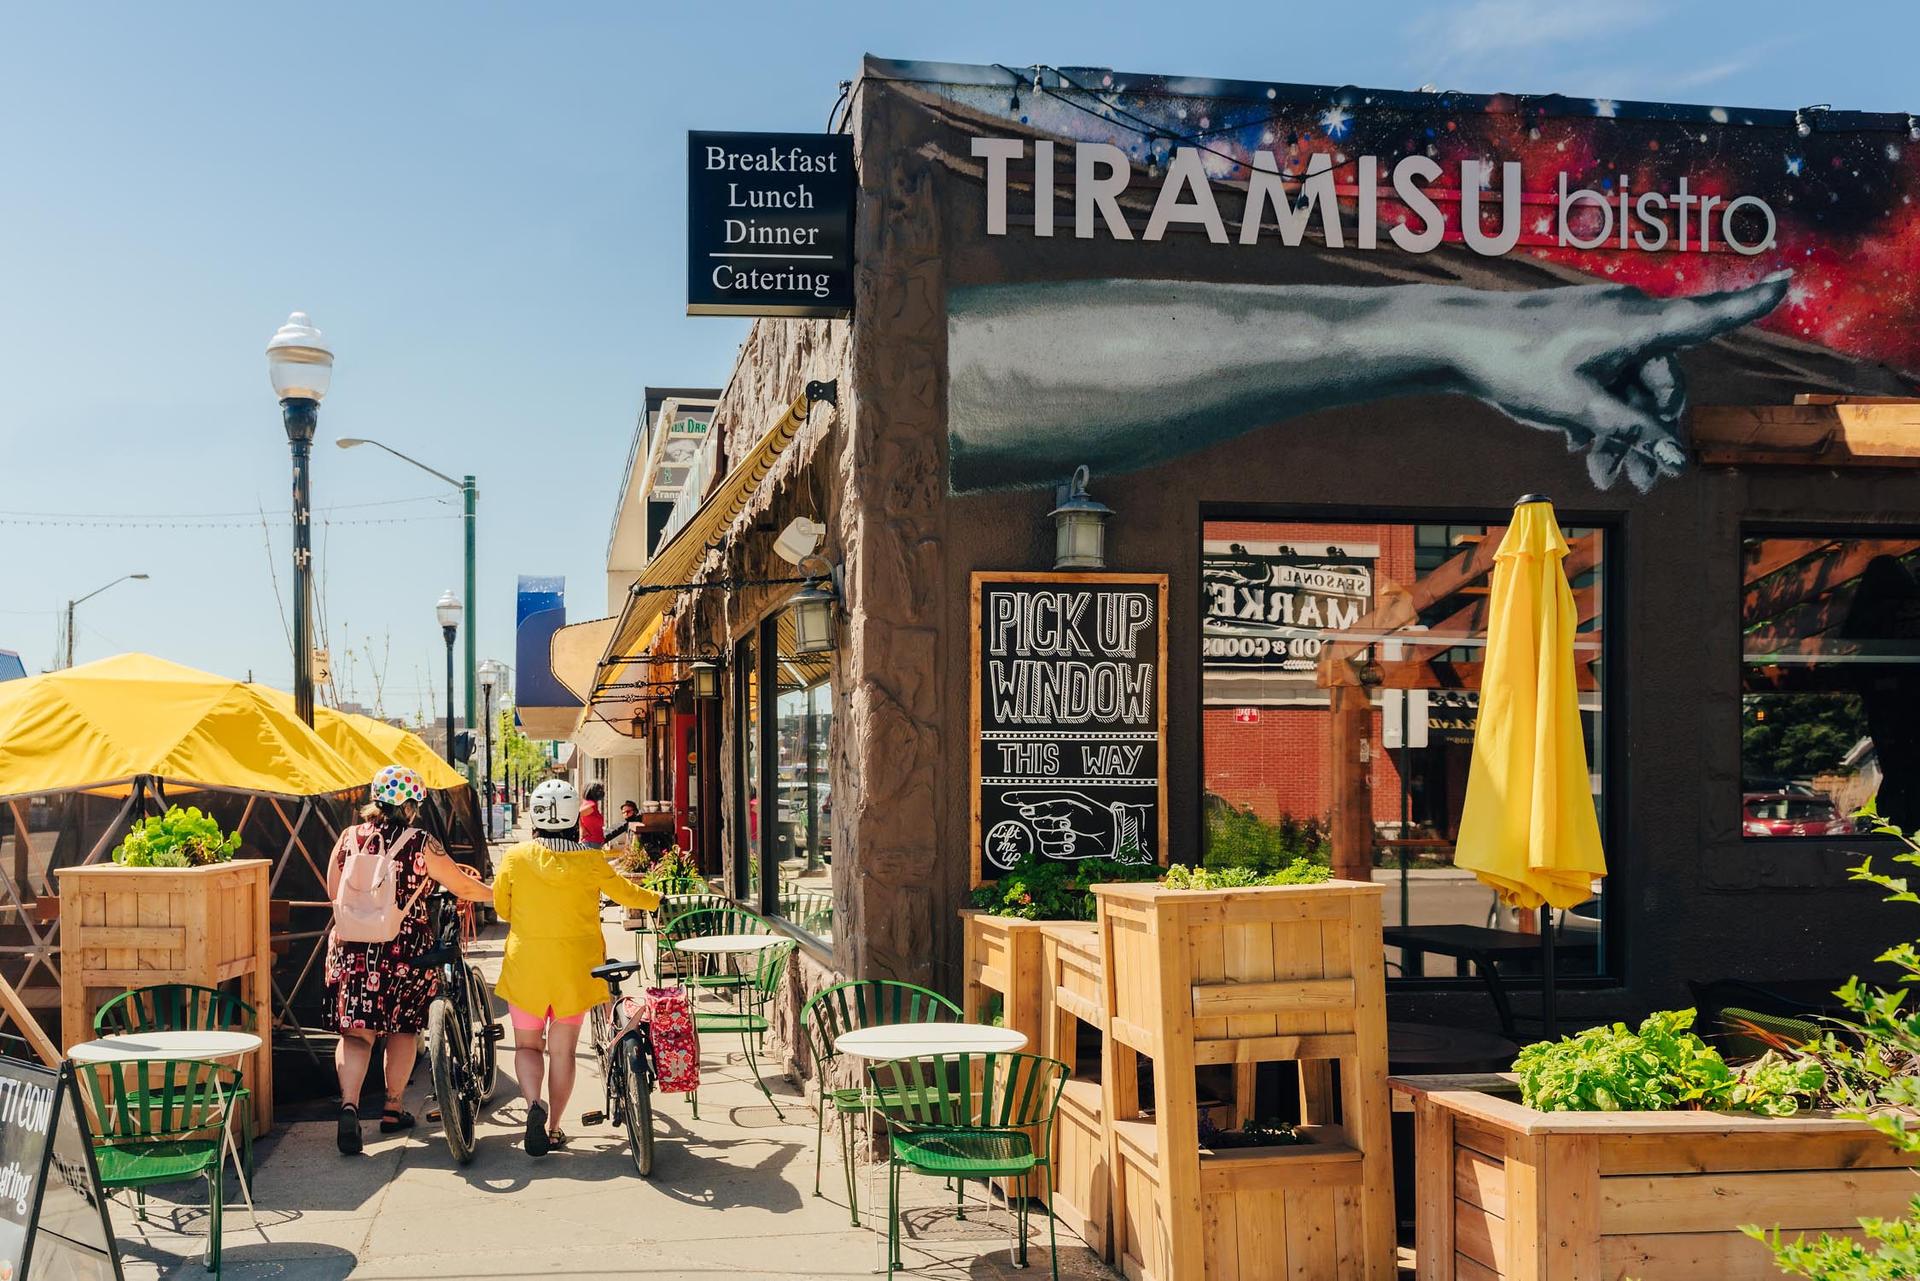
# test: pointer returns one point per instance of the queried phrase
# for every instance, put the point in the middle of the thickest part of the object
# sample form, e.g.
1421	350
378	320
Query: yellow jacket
550	899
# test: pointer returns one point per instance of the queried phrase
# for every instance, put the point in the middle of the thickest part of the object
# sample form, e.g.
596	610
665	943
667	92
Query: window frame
1863	843
1613	959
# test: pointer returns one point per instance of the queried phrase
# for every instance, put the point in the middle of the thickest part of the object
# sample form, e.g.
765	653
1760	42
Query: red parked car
1792	814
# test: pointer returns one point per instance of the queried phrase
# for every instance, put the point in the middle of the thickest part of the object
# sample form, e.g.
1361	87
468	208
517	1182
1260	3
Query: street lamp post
469	500
448	612
82	600
300	363
489	677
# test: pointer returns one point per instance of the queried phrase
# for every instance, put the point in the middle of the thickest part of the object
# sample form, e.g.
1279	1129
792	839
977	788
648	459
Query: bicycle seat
614	969
437	957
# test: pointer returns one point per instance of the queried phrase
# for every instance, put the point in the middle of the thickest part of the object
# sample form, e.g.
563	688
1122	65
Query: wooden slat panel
1570	1229
1479	1181
1479	1236
1286	996
1465	1269
1329	906
1263	1228
158	944
1486	1141
1310	1232
1794	1200
1709	1154
1129	1034
1267	1049
1433	1177
1691	1256
1222	1226
1229	1172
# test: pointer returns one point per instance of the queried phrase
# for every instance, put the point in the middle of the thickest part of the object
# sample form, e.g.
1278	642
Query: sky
482	206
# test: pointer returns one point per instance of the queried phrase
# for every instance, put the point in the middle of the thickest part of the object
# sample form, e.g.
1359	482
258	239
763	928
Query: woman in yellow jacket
548	892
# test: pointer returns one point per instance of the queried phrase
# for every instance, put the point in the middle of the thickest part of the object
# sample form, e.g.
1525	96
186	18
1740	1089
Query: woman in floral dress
373	989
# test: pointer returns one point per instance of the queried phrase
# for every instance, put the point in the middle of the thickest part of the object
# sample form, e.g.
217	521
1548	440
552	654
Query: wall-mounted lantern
706	679
662	711
813	607
1080	526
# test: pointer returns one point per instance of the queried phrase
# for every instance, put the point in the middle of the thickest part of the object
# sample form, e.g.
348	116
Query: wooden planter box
129	927
1508	1192
1000	955
1238	978
1072	992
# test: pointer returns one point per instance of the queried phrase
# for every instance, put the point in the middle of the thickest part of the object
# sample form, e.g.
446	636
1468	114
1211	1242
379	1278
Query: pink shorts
525	1022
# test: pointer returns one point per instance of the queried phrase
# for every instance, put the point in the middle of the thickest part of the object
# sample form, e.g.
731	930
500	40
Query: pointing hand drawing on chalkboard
1122	374
1069	826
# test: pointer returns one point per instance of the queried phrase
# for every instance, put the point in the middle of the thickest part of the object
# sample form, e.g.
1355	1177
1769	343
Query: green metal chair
185	1007
158	1121
750	1020
676	905
705	922
970	1116
846	1007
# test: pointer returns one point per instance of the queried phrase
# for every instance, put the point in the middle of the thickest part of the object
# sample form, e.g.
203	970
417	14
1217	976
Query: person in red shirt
593	820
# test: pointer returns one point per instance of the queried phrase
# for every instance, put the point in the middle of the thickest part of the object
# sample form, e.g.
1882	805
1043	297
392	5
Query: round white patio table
215	1044
919	1041
925	1040
728	944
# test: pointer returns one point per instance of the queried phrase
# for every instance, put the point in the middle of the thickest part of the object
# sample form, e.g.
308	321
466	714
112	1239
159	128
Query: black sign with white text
53	1215
770	224
1069	718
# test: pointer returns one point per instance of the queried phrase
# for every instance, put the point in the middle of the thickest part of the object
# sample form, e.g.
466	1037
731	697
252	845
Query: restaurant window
800	860
1829	685
1402	605
749	735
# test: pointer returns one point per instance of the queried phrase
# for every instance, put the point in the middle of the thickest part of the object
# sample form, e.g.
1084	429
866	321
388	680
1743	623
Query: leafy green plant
674	872
1661	1067
1240	838
1298	872
1254	1134
177	838
1873	1075
1039	889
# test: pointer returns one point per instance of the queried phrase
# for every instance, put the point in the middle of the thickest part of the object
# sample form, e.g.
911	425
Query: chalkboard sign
53	1216
1069	718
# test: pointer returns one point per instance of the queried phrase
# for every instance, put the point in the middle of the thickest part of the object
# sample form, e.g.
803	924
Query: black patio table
1481	946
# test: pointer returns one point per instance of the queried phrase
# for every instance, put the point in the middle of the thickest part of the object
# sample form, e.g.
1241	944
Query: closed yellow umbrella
1529	828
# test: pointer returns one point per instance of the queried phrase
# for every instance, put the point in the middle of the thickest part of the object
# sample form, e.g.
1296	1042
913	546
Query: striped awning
680	560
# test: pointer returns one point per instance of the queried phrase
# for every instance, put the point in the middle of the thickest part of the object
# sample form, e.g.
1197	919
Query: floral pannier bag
676	1046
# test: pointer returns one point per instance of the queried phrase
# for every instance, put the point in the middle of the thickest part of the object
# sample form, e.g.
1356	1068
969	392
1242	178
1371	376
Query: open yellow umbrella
1529	828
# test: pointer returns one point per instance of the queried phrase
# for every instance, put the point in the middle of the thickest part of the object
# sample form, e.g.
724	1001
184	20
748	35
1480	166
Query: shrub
1241	838
1871	1077
1039	889
177	838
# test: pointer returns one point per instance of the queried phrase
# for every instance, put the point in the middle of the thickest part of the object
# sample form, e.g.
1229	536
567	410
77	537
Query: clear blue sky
482	206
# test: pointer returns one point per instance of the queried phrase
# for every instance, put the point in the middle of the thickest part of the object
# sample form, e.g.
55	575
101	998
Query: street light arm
403	458
79	600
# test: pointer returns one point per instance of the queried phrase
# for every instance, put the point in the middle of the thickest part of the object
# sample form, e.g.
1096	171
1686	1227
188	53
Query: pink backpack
366	906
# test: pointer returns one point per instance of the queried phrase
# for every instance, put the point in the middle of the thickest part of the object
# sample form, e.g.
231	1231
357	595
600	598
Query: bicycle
623	1046
463	1038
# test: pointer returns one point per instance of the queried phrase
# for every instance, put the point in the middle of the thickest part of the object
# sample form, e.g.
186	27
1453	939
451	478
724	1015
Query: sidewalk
731	1195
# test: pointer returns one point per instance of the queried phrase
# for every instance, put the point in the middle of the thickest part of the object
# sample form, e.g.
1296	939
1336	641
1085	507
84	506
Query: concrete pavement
731	1195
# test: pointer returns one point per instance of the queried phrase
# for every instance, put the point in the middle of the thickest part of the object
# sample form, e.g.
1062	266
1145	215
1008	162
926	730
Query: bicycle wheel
636	1080
486	1044
447	1051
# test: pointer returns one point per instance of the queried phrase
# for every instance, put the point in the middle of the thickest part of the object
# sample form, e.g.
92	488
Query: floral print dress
374	986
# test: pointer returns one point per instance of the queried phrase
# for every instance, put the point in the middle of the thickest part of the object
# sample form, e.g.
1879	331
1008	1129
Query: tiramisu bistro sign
770	224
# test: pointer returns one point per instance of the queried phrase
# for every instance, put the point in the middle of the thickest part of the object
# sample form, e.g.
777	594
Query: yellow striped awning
681	558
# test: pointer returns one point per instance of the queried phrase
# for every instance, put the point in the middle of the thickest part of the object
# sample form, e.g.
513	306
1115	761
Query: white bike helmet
555	806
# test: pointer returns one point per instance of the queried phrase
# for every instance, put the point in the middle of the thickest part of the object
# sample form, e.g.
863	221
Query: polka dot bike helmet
396	784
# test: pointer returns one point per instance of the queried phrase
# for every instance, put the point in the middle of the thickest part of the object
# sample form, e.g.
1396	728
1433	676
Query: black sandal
347	1133
537	1139
394	1120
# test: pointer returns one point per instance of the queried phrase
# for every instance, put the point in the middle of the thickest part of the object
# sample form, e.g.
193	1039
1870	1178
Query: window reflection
1830	685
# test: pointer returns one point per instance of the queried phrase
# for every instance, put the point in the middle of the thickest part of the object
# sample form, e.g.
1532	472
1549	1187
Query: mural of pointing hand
1068	826
1122	374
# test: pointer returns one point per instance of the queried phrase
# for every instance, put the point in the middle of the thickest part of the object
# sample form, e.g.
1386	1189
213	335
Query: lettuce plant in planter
177	838
1661	1067
1038	889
